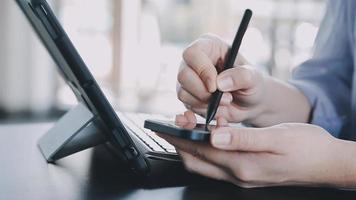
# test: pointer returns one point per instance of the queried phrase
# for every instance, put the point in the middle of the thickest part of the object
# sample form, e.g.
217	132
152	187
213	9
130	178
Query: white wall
27	75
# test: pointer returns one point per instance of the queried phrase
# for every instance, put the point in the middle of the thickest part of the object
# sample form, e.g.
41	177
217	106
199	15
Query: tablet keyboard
135	122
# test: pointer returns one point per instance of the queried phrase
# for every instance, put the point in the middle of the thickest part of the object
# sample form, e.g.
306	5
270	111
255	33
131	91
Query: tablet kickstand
77	130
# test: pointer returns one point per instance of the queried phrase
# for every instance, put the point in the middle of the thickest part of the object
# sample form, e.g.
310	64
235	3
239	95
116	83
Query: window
89	24
148	37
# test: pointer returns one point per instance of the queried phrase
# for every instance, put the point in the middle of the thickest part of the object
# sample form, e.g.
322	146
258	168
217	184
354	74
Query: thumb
238	78
244	139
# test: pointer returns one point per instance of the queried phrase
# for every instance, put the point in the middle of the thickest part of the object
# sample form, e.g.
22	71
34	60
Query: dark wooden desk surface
96	174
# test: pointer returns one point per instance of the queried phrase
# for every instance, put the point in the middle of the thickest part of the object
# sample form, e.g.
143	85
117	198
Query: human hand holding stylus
248	95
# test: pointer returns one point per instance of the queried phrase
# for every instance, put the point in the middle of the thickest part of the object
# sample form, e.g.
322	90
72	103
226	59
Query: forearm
344	165
282	103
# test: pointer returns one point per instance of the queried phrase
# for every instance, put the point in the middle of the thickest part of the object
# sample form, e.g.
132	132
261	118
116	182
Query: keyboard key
143	136
135	122
161	141
171	150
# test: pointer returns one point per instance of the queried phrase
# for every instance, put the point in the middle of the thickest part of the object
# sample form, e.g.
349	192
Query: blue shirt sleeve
326	78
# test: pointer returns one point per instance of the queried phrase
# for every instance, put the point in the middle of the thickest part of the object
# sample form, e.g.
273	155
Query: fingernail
180	119
225	83
221	139
210	85
226	98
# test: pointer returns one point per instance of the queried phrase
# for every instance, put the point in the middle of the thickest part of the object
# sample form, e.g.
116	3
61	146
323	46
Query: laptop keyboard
135	121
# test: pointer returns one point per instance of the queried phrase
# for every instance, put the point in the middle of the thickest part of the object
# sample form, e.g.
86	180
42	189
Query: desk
96	174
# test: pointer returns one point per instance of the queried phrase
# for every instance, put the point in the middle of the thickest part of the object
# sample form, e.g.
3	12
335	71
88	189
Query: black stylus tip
213	107
208	120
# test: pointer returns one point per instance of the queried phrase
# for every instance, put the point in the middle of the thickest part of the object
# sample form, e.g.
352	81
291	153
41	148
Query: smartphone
194	132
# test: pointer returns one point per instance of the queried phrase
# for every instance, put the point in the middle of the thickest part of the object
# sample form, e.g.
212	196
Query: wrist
345	170
333	166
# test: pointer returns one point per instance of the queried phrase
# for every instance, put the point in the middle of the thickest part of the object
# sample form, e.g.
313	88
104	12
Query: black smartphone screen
196	127
189	131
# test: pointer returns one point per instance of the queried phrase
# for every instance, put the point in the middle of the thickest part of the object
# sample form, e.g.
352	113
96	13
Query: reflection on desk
96	174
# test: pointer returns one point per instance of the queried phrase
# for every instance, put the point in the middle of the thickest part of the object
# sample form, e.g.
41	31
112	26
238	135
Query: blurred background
134	47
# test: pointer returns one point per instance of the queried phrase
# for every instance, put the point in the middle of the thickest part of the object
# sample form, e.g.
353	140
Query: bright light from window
305	35
254	47
89	25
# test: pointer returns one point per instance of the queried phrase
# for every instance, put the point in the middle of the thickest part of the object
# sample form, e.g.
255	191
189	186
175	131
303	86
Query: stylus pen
229	63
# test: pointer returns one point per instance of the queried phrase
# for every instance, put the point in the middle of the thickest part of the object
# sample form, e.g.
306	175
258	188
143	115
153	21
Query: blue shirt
328	78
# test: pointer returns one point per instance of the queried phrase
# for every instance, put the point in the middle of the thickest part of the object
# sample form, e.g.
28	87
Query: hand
198	78
286	154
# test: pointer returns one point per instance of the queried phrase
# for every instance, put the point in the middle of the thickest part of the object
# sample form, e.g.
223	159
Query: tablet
78	77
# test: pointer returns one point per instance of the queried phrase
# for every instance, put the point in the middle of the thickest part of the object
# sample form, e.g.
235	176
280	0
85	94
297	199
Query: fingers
199	111
188	99
233	113
192	83
187	117
246	139
187	120
238	78
181	119
191	101
196	58
221	122
226	99
224	173
237	164
190	116
202	150
198	166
